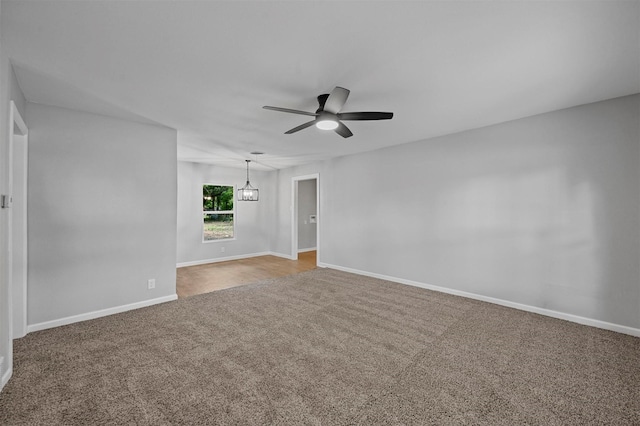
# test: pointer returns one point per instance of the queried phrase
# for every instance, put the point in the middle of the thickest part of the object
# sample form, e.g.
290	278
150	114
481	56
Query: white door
17	224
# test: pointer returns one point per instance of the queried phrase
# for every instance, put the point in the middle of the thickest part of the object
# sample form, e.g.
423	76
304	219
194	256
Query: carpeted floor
324	347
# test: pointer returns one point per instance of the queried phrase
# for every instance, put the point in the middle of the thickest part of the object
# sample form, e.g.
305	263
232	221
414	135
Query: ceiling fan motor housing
321	100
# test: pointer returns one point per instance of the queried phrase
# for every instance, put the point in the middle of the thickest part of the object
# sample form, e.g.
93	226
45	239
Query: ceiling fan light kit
328	115
326	123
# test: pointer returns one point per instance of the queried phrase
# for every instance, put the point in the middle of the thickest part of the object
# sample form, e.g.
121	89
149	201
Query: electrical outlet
222	249
151	284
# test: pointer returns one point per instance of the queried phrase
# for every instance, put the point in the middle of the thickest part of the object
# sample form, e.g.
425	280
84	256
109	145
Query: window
217	212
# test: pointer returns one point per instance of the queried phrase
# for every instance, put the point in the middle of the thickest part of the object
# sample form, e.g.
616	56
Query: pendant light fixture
248	192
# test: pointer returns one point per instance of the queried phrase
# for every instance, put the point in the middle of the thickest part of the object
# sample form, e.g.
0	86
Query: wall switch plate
221	249
151	284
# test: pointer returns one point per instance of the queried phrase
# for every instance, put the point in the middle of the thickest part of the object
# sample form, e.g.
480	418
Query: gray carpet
324	347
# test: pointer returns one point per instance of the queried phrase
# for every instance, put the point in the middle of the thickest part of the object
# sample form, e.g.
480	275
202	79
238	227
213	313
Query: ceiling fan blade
365	116
336	100
300	127
292	111
343	130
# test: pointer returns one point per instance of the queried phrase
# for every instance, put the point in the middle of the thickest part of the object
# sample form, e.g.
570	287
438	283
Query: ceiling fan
328	115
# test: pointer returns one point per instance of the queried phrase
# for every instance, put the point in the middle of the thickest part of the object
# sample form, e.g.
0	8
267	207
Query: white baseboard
307	249
5	377
98	314
284	256
238	257
547	312
222	259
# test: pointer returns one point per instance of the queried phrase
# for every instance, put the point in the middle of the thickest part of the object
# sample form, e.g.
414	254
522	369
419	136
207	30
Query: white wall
542	211
9	90
306	207
102	213
252	221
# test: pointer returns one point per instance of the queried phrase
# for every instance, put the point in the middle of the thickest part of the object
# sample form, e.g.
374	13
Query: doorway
305	233
16	205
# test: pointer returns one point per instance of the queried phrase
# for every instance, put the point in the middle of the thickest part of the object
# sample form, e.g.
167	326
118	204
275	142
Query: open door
16	204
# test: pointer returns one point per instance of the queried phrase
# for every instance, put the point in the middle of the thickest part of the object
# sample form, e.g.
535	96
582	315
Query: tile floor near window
192	280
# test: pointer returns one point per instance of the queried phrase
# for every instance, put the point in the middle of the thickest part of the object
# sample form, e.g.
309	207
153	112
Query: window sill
218	241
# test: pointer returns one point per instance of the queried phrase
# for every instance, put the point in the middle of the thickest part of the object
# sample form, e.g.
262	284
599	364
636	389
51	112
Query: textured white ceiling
207	68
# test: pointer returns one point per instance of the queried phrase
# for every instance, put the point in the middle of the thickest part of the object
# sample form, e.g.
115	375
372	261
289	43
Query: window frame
205	212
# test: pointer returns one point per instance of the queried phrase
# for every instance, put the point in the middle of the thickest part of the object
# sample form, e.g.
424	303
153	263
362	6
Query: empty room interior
320	212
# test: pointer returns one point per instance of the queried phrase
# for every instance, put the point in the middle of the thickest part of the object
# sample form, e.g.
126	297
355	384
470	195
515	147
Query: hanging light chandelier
248	192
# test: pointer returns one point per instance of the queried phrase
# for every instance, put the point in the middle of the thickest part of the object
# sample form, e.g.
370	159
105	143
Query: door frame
294	214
